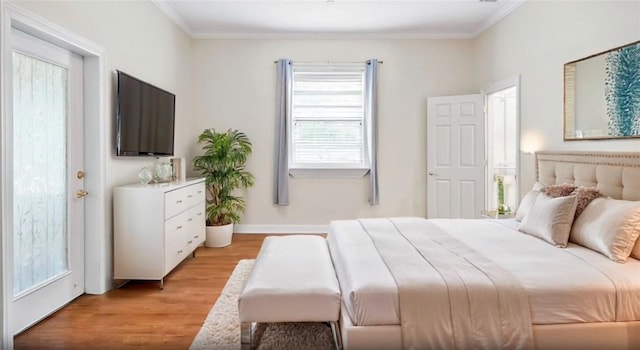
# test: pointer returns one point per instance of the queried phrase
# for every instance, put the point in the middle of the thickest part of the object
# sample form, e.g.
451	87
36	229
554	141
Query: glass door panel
45	150
40	108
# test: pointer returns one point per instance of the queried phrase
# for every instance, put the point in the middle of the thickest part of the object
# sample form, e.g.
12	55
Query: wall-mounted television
145	118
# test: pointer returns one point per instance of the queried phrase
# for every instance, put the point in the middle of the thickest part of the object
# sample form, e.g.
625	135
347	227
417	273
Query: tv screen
145	118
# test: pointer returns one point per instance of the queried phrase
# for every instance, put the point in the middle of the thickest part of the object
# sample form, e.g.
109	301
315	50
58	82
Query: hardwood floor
140	315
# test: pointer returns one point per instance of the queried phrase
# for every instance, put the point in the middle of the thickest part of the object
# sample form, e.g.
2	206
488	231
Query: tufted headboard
615	174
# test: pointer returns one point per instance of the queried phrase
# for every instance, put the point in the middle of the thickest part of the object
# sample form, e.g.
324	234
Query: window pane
39	175
327	142
350	99
333	113
328	116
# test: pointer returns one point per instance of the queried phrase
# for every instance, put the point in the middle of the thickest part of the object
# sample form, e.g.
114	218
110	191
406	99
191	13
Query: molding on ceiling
509	7
329	36
173	16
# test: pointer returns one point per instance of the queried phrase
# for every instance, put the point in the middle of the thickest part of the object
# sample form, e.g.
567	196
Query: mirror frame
569	88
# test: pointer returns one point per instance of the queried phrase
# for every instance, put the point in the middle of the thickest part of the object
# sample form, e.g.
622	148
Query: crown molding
173	16
329	36
510	6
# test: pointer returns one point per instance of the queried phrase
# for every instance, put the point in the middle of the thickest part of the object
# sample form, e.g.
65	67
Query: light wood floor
140	315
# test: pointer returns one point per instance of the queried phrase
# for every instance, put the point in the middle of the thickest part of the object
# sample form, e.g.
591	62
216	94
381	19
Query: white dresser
155	227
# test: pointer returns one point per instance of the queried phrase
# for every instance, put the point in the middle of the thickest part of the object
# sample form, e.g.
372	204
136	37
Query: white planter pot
219	236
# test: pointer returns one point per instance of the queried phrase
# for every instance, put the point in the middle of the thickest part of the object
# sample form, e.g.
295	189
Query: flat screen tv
145	118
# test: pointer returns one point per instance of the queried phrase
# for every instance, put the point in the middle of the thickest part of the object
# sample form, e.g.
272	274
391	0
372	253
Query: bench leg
246	336
337	339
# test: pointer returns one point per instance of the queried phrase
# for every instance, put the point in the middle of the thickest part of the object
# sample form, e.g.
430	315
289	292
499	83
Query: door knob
81	193
80	174
431	174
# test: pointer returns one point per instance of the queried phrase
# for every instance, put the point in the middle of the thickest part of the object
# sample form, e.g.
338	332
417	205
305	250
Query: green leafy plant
223	167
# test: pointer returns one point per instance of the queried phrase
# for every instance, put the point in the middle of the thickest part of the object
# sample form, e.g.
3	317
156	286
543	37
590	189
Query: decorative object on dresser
179	168
155	227
223	167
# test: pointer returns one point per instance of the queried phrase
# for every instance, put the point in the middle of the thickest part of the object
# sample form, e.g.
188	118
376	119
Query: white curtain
283	112
371	110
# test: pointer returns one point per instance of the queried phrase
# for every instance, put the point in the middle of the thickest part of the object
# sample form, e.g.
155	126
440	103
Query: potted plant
223	167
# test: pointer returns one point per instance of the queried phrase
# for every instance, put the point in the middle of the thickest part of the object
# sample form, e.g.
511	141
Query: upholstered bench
292	280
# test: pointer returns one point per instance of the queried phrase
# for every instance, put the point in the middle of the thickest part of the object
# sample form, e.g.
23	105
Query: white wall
536	41
140	40
234	87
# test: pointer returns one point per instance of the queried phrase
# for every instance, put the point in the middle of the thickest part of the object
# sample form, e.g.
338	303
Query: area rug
221	329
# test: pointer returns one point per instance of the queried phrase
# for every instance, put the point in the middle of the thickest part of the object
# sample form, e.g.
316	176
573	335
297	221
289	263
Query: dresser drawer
176	228
196	222
174	254
195	194
175	202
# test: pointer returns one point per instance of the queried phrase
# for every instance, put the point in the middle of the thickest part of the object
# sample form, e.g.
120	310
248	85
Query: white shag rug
221	329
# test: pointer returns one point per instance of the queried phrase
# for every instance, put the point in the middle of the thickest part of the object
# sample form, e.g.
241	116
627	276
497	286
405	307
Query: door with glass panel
45	152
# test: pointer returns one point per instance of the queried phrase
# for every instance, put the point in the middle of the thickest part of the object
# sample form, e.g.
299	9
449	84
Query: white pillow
538	186
608	226
636	250
527	201
550	219
526	204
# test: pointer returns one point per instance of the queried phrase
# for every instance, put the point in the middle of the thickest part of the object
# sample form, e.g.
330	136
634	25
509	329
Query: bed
495	286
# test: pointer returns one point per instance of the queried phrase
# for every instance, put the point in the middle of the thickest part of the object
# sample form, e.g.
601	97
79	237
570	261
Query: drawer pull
189	242
180	251
179	201
199	191
189	196
196	236
179	227
200	213
190	219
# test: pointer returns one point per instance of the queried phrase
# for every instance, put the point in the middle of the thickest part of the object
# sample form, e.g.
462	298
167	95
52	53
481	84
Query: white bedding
567	285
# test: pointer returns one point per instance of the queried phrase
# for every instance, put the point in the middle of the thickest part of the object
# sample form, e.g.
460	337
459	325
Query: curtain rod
381	62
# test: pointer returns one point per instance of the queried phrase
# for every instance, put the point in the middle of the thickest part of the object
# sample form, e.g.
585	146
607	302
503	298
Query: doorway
473	150
47	195
97	273
502	146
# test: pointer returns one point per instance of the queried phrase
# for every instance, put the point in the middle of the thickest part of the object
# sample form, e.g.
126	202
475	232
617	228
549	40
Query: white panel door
455	151
46	155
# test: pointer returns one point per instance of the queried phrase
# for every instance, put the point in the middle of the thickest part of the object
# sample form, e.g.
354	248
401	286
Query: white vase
219	236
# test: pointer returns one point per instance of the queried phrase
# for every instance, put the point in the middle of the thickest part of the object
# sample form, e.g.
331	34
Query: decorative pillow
526	203
538	186
550	219
636	250
527	200
608	226
584	196
559	190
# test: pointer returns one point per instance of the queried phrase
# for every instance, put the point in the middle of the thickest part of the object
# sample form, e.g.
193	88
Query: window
328	120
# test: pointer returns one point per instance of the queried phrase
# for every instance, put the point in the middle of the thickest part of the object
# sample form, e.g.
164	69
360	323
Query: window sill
329	173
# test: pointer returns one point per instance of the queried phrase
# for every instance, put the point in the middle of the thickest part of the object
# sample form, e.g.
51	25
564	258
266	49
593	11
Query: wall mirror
602	95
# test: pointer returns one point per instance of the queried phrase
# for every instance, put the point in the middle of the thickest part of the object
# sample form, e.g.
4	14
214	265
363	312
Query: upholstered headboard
615	174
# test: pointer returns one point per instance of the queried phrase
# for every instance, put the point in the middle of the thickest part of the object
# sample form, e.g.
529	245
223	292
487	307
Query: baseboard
280	229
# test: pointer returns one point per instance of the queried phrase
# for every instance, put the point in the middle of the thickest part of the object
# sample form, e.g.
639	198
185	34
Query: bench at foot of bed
292	280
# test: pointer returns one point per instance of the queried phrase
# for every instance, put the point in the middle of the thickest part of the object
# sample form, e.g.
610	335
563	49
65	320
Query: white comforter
567	285
450	297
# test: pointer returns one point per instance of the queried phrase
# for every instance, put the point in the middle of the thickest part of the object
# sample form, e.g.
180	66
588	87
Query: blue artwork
622	91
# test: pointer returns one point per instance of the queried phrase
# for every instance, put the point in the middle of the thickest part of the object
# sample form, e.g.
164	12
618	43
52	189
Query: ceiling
336	18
